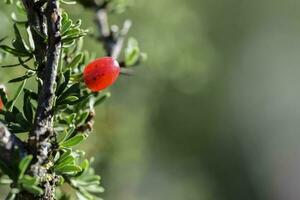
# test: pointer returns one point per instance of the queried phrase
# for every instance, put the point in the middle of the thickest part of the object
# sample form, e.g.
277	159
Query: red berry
1	105
101	73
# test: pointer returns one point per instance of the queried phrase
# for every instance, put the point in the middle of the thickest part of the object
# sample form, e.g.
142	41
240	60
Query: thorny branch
35	15
47	22
42	128
112	40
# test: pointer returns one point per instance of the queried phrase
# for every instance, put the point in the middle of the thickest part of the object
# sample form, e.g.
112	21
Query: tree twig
112	42
42	128
47	22
35	15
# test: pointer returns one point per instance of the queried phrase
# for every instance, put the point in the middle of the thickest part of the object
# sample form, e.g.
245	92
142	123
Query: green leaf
70	119
56	157
102	99
42	35
71	91
19	43
5	180
95	189
31	94
69	169
132	52
66	23
76	61
85	164
28	74
65	155
86	180
68	2
85	194
65	77
14	52
20	7
69	100
35	190
69	160
74	140
65	135
27	106
61	136
22	121
17	129
20	89
21	62
23	165
82	118
19	79
28	180
11	196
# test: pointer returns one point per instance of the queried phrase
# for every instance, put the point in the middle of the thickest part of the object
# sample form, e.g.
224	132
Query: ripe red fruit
1	105
101	73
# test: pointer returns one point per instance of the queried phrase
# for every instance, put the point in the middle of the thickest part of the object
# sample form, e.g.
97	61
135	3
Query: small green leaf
74	140
5	180
19	43
70	160
28	180
21	62
60	181
68	2
27	106
85	164
23	165
14	52
65	155
69	169
66	23
84	194
20	7
69	100
28	74
65	77
70	119
35	190
71	91
75	62
82	118
22	121
132	52
19	79
102	99
95	189
20	89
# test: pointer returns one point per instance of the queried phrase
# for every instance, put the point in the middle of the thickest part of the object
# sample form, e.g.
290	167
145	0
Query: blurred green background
213	114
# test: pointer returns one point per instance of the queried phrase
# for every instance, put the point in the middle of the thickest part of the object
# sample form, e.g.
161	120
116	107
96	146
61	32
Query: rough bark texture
47	22
36	21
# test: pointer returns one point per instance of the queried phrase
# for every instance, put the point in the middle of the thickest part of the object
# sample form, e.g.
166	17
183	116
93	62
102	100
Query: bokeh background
214	114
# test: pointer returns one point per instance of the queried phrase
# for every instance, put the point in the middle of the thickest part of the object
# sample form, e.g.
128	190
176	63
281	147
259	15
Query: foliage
73	109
